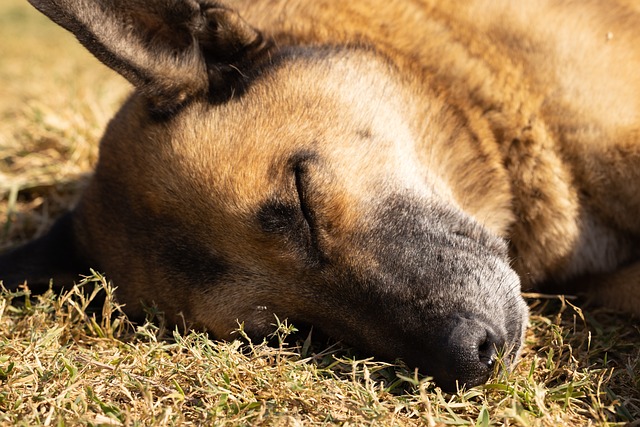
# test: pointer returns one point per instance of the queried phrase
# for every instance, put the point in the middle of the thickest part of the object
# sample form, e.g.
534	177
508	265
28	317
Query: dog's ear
171	50
53	256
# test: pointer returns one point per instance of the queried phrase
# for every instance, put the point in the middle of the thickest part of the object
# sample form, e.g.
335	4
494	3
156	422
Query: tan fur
546	117
355	164
551	91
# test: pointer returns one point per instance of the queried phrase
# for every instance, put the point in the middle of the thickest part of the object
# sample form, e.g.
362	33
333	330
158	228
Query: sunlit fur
391	172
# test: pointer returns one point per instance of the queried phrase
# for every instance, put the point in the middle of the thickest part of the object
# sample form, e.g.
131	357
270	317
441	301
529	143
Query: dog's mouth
459	336
504	360
436	291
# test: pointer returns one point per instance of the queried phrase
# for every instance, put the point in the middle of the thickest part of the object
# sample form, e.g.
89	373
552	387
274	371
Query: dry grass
55	100
64	363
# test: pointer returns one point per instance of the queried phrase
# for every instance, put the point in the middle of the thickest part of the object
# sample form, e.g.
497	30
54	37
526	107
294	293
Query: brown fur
274	150
550	93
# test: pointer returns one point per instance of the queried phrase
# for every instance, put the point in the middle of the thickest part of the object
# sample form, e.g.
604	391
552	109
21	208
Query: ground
64	361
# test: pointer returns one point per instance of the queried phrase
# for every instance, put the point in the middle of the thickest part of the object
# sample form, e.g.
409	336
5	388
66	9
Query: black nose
470	353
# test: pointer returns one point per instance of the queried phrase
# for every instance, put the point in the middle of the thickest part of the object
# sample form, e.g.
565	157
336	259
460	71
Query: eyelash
299	171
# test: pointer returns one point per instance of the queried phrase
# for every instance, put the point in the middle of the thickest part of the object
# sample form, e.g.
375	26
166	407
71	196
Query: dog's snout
488	348
470	352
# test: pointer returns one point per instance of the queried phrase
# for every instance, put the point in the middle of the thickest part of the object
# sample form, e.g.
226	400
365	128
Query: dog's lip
451	384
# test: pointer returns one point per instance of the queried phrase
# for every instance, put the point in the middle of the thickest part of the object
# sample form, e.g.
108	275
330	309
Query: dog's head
243	180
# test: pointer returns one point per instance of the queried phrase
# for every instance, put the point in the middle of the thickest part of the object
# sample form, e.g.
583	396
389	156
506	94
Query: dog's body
358	165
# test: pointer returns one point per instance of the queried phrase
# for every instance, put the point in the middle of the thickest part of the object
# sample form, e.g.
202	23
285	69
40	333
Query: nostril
471	351
488	348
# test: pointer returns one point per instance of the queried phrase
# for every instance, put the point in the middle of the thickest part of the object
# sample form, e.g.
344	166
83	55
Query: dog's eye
301	179
304	189
292	216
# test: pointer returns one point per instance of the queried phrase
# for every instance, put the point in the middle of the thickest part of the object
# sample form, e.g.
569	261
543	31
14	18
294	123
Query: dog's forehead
302	96
342	109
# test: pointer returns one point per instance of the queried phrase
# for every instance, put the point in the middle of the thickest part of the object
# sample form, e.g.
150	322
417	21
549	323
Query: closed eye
295	220
302	184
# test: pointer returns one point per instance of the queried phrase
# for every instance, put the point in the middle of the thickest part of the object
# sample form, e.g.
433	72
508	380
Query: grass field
64	361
